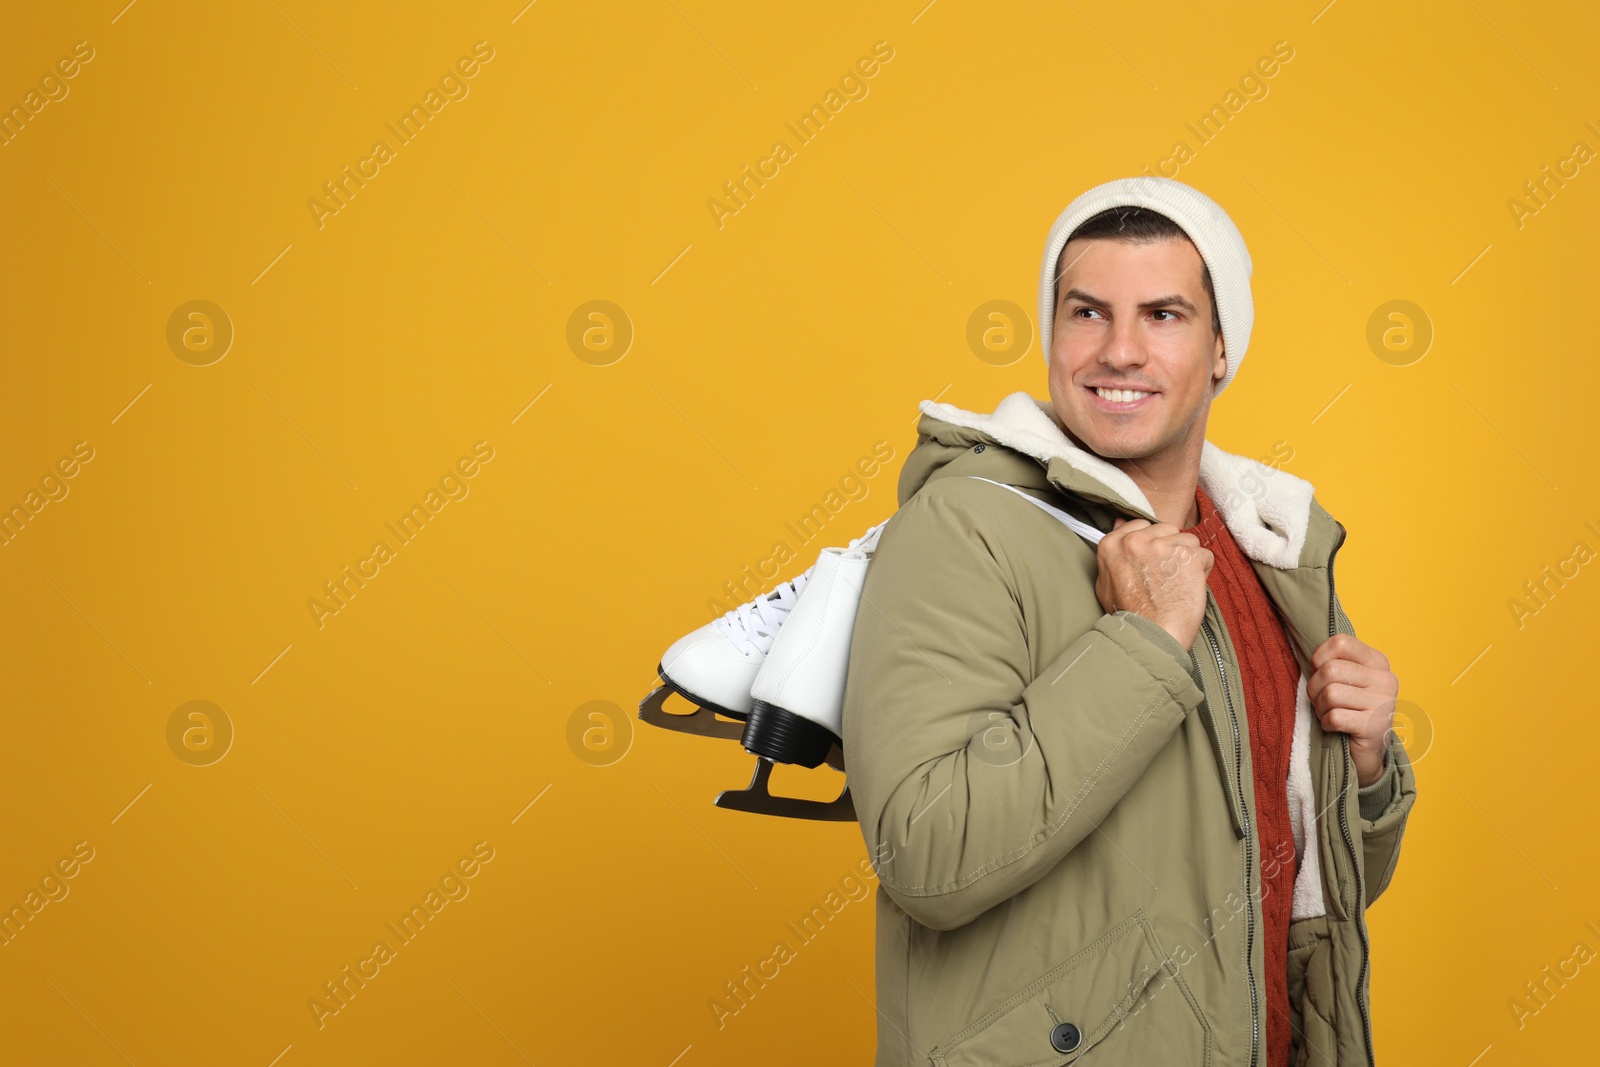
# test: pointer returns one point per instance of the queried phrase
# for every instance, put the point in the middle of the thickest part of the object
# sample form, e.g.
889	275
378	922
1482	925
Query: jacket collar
1268	511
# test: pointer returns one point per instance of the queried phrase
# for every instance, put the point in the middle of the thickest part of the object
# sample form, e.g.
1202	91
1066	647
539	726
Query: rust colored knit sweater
1271	678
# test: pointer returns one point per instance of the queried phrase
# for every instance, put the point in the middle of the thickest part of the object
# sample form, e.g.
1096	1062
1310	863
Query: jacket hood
1268	510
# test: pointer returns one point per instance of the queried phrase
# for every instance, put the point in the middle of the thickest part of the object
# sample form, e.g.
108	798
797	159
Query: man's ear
1219	368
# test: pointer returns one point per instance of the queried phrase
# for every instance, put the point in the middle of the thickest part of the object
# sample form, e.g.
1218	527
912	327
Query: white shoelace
754	626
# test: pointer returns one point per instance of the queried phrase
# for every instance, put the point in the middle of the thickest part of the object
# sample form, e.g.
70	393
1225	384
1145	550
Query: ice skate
715	666
757	799
797	698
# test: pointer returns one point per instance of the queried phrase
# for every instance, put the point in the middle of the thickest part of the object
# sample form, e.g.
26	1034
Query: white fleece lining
1303	812
1268	511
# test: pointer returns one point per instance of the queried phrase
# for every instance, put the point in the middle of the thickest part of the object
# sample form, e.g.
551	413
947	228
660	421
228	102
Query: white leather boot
715	665
797	698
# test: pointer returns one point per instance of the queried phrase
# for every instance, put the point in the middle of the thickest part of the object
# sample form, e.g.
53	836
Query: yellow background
769	355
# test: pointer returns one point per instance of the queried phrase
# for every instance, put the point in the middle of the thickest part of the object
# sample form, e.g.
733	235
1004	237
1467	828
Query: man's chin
1134	450
1079	428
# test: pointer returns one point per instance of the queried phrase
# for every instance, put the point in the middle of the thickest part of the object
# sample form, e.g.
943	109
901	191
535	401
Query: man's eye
1163	311
1085	311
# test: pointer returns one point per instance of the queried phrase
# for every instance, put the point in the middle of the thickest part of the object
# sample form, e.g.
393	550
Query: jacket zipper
1344	825
1238	781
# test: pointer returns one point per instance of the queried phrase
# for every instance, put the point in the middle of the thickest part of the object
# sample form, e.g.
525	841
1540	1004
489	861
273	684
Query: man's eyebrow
1170	300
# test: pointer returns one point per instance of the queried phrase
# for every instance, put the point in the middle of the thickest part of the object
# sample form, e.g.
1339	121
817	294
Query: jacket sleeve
971	776
1385	806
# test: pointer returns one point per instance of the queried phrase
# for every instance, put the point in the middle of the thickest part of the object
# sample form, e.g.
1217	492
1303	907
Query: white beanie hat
1215	236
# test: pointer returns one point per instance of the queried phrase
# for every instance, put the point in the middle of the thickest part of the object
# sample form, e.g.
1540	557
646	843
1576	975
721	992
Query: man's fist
1156	570
1353	691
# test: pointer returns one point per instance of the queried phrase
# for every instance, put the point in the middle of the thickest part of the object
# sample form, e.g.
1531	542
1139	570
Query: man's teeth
1120	396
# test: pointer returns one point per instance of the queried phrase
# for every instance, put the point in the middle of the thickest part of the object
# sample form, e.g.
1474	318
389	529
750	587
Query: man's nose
1124	346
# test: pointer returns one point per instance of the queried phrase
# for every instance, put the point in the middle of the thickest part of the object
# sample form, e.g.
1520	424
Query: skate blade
703	722
758	800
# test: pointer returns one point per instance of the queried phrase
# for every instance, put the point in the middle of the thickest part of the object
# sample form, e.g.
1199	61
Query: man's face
1137	317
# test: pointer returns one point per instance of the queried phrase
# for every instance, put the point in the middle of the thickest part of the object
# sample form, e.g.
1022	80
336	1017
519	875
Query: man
1137	794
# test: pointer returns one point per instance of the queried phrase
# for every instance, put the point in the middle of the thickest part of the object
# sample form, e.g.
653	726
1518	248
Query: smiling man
1133	367
1107	713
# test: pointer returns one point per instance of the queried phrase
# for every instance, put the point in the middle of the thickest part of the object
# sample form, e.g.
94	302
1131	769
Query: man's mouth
1119	399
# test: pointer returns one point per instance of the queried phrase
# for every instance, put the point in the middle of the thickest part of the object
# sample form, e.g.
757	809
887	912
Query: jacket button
978	448
1065	1037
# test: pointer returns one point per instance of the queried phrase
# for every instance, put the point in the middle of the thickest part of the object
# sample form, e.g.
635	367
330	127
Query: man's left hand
1353	691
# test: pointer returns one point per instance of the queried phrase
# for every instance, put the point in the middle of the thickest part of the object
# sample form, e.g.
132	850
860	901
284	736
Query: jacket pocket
1122	993
1314	1039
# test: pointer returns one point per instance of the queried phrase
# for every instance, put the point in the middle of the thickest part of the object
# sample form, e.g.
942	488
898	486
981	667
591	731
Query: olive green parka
1059	801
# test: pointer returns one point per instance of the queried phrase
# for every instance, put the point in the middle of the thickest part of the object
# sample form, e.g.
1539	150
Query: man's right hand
1156	570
